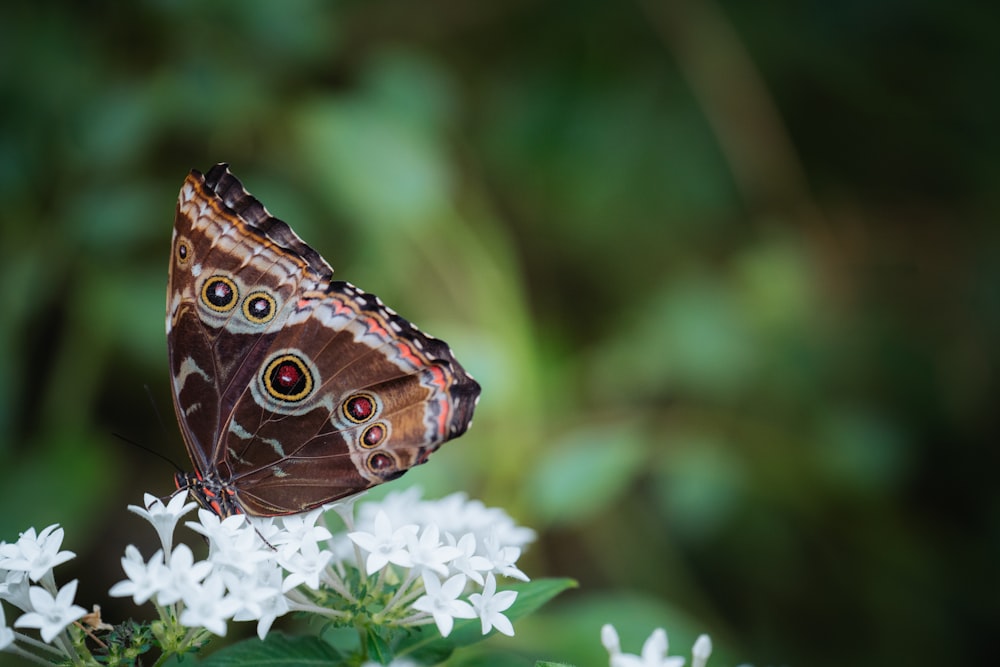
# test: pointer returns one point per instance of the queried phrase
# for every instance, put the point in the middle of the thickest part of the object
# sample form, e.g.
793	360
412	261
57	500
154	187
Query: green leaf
546	663
276	650
604	460
430	646
377	648
348	140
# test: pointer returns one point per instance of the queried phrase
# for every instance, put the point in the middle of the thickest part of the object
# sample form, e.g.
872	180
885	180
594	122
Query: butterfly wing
292	391
348	395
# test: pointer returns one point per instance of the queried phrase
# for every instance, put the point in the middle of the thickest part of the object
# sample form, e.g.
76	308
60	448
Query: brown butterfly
291	390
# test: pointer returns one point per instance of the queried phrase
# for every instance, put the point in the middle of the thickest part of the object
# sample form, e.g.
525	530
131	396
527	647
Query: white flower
14	589
271	608
163	517
701	651
427	552
6	634
489	604
441	601
467	562
458	514
609	638
267	529
261	597
183	575
384	545
344	550
144	579
304	566
248	591
51	614
301	528
36	555
207	606
654	650
454	514
399	506
237	547
503	558
212	526
344	508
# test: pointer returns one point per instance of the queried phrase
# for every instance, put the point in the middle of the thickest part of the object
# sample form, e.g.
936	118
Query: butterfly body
292	390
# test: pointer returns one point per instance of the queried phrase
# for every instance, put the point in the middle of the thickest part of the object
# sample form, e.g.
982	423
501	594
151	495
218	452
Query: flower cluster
28	584
654	651
444	548
402	562
239	580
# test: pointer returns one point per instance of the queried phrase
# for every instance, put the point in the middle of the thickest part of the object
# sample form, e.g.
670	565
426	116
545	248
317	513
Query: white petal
701	651
609	637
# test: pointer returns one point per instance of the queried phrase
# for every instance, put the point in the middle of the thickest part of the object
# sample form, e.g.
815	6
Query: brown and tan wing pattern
292	390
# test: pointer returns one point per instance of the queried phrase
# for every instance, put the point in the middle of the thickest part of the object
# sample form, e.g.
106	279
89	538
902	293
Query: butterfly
291	389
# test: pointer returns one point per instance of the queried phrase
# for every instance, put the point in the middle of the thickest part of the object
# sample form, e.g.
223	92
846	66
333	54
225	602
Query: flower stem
27	655
36	643
410	577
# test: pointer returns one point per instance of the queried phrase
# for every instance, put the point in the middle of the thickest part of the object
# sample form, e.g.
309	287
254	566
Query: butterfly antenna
149	450
264	539
156	411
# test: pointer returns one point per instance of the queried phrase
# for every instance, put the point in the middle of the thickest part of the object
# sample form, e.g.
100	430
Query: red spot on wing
376	328
361	408
288	375
340	308
373	435
444	416
406	353
441	382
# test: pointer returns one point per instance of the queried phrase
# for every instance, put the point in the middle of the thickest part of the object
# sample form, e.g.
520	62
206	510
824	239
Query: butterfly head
213	495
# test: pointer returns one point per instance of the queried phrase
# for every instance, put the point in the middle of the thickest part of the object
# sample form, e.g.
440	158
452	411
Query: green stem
27	655
410	577
337	584
36	643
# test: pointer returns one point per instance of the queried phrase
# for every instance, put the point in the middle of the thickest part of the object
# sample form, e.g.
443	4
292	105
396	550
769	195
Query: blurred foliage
728	273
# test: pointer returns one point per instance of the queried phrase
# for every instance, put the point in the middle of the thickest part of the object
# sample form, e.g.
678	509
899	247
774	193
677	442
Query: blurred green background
727	272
